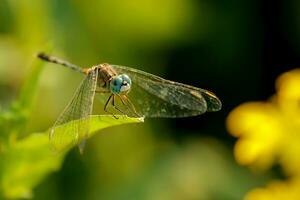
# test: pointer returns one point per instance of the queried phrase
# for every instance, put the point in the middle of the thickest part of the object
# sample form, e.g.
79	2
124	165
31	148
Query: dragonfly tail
45	57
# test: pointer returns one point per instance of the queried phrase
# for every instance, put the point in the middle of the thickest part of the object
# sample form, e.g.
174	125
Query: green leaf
26	162
96	122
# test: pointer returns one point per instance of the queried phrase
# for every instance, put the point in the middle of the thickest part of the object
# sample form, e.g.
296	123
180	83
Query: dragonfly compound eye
126	83
120	84
126	78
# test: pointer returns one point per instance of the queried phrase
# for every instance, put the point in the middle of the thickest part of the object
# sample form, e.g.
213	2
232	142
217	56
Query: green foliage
96	122
25	162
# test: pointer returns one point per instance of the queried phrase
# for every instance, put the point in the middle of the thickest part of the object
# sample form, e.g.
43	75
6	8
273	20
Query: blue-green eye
115	84
120	84
117	81
126	78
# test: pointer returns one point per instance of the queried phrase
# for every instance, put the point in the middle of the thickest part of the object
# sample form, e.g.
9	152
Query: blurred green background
234	48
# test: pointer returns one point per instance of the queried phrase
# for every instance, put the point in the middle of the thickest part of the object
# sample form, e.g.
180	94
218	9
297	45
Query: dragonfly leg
116	107
132	108
124	103
106	105
128	107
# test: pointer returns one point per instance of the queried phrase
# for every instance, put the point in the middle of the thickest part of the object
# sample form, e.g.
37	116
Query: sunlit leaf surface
63	139
26	162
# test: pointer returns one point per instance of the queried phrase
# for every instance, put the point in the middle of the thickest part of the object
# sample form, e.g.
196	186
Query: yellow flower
269	133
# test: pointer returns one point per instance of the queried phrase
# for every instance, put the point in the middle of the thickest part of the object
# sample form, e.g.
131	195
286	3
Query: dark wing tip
213	102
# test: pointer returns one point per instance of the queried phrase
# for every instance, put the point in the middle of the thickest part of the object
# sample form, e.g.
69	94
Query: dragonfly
131	92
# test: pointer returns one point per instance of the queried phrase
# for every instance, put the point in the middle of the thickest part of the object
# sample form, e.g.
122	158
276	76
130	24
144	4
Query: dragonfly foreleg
106	106
116	107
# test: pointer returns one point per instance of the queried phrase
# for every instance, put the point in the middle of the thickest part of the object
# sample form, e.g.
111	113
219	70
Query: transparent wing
79	108
156	97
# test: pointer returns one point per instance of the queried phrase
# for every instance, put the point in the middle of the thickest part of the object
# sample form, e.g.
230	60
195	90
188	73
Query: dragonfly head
120	84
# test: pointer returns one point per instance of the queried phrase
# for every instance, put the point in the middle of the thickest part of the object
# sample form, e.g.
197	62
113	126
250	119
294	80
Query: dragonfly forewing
79	109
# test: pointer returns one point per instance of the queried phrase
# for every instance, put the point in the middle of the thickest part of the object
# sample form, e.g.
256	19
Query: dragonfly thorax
105	74
111	81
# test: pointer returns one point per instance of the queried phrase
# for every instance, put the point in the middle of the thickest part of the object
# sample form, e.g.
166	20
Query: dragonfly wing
79	108
157	97
213	102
